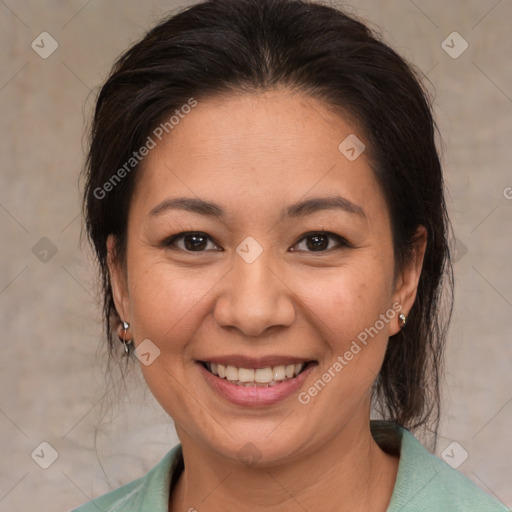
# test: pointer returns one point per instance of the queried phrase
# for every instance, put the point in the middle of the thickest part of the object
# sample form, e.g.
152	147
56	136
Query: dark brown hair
232	46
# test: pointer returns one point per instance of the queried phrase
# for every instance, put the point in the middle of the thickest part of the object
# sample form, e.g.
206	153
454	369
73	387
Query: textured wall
52	387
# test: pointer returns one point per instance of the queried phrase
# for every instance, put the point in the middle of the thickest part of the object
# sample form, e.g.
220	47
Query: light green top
424	483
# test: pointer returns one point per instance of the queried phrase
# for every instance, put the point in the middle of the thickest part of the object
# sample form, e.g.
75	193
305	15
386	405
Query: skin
254	154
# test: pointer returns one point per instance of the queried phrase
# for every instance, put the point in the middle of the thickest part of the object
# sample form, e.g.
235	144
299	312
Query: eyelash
170	242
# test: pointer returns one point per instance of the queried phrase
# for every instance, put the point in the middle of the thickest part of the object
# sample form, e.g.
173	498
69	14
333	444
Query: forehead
254	150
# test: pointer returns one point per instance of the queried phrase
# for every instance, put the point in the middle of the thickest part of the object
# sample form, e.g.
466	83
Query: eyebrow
294	210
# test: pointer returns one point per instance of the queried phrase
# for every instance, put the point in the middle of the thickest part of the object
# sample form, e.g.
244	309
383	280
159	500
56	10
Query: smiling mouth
259	377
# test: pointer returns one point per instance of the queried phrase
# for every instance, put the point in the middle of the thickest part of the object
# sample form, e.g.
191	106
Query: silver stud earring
402	320
123	338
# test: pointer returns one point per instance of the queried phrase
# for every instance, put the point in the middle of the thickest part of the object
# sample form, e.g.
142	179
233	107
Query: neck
349	473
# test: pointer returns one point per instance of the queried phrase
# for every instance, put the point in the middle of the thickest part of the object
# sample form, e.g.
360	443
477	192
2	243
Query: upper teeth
260	375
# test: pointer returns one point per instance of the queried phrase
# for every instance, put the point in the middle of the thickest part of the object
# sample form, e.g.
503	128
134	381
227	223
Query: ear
118	280
408	278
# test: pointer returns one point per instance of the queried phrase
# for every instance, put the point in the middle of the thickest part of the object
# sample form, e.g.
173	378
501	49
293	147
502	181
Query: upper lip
254	362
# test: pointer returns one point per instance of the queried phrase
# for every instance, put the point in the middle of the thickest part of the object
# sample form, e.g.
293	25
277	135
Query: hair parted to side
244	46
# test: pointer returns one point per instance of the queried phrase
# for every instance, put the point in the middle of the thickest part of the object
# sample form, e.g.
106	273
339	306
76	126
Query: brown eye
319	241
192	241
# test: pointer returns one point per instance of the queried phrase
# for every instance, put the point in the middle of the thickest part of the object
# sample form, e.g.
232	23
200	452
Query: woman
266	203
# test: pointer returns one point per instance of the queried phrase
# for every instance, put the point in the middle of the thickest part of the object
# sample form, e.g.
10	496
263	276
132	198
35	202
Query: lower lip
255	396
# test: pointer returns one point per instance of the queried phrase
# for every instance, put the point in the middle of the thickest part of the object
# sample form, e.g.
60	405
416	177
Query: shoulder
148	493
116	500
427	483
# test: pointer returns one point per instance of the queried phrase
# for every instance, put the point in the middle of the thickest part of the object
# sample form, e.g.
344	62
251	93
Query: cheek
165	301
346	309
167	309
346	301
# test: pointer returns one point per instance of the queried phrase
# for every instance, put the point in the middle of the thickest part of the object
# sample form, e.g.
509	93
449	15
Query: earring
122	337
402	320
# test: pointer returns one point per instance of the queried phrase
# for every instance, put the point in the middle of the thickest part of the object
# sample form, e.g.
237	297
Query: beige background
52	386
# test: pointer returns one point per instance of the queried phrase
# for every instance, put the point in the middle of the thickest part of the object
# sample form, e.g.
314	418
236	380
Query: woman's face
261	287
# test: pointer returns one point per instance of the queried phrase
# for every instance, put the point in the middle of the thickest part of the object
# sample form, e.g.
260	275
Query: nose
255	299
